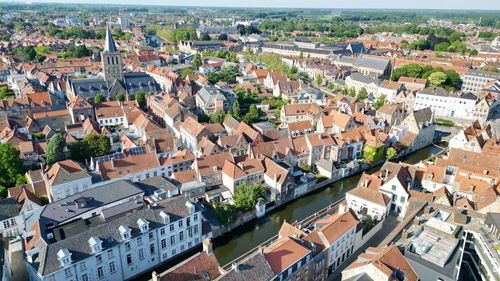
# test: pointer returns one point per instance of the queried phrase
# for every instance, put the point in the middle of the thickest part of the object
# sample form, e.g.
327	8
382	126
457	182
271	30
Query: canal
245	238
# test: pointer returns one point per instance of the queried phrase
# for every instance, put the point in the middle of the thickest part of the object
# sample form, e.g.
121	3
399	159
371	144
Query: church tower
111	61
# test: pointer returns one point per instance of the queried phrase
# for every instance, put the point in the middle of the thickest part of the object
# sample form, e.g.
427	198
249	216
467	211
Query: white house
66	178
445	104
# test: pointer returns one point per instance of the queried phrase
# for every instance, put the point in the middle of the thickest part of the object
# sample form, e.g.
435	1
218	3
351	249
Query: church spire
109	45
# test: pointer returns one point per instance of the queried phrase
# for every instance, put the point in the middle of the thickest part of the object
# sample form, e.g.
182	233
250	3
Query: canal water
245	238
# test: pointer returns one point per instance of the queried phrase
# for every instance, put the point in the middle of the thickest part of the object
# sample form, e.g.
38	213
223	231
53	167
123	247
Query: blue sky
368	4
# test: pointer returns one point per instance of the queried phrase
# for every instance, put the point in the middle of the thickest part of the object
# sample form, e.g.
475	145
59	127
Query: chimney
207	246
113	163
366	183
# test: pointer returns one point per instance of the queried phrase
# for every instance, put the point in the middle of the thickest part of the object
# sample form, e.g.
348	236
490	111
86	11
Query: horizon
405	5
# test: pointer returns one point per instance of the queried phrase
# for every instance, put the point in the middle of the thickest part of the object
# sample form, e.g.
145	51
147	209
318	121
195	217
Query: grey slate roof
468	96
140	81
364	78
108	233
253	268
436	91
89	87
8	208
109	45
218	29
369	62
150	185
95	197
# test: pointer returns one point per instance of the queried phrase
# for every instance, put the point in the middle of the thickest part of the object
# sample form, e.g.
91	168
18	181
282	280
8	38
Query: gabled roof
65	171
232	170
283	253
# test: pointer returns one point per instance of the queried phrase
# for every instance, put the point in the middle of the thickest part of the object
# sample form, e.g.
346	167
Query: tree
218	116
55	149
373	154
29	52
380	101
319	80
77	52
442	47
196	62
77	151
413	70
222	37
120	97
391	153
204	37
437	78
186	72
6	92
301	55
246	195
228	74
10	165
252	115
99	98
225	213
236	108
140	98
212	77
363	94
352	92
96	145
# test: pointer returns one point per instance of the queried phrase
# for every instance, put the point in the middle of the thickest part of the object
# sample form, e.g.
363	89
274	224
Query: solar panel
106	158
137	150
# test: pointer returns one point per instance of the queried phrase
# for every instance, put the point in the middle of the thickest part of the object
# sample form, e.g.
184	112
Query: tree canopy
11	172
55	149
246	196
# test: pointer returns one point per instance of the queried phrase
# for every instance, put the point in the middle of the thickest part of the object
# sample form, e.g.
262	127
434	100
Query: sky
341	4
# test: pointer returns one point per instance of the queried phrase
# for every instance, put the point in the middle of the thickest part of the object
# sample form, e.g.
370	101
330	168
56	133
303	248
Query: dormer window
64	257
190	206
143	225
95	244
124	232
165	217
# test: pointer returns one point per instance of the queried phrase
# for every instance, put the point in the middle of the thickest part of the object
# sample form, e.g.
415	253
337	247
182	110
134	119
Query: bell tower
111	60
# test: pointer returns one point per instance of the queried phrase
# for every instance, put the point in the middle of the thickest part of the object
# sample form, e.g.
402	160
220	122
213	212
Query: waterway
245	238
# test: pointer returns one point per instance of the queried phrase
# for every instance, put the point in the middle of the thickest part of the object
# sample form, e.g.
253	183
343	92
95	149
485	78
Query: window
172	227
150	236
112	267
67	272
98	258
195	217
85	277
163	243
393	187
190	232
83	266
100	272
127	246
402	199
110	254
181	236
180	223
129	258
6	224
152	248
139	240
162	231
172	240
141	254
